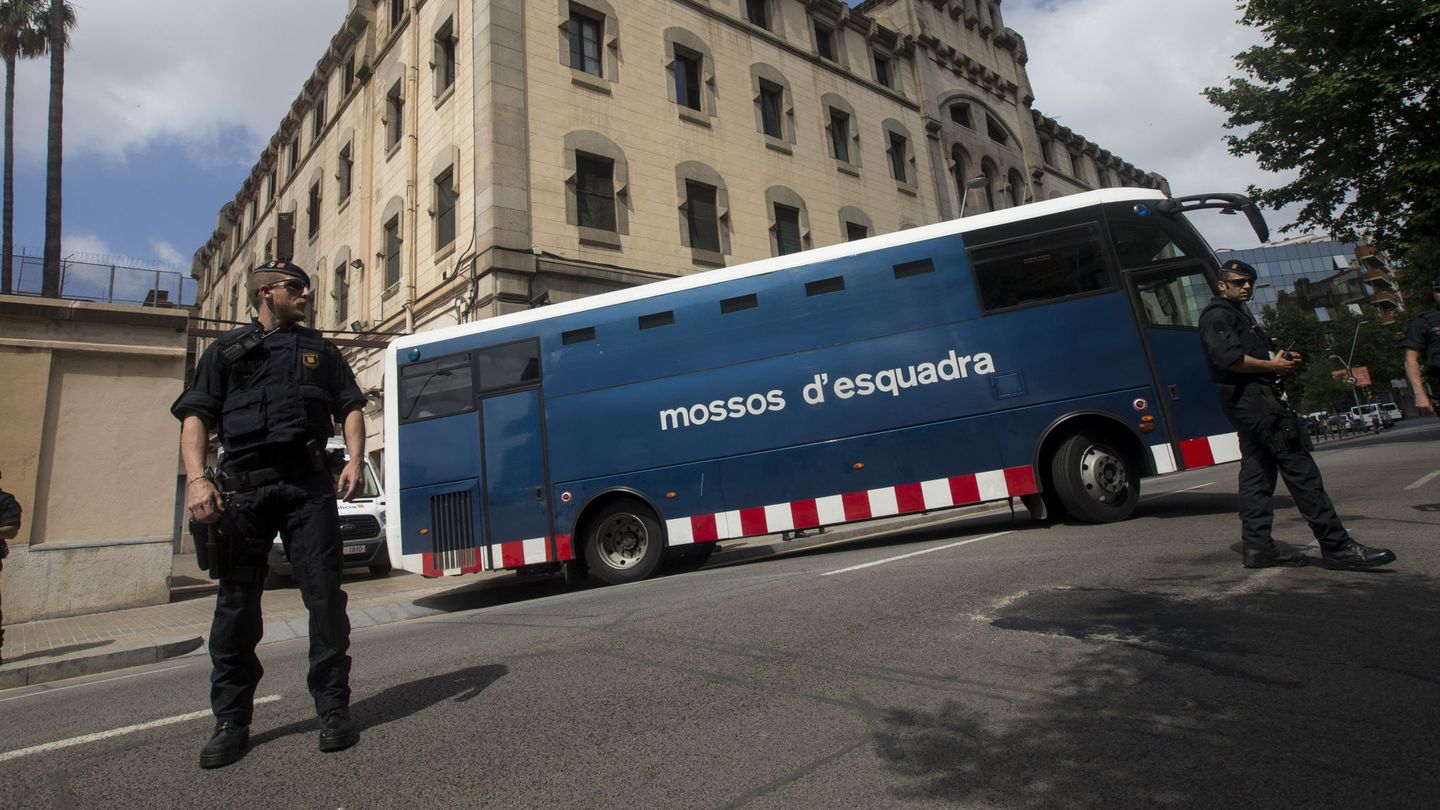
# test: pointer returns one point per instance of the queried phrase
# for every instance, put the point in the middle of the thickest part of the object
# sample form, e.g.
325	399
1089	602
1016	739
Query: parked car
362	530
1392	409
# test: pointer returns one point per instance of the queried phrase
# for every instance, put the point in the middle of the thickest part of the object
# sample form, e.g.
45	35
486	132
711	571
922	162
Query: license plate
354	550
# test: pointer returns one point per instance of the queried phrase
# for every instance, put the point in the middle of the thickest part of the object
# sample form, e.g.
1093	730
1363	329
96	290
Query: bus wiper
1227	203
432	375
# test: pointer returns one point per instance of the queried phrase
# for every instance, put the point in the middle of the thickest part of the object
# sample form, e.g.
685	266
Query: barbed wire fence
108	279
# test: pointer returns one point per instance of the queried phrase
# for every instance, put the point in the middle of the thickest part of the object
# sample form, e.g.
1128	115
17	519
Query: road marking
1424	479
1177	491
44	690
116	732
915	553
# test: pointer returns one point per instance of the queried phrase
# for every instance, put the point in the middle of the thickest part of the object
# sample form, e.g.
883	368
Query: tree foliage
1326	347
1343	94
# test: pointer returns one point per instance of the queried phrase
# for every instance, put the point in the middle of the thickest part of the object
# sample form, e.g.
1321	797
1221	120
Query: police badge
310	359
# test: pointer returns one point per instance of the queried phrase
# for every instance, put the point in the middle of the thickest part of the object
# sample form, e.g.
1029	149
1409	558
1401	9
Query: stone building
450	160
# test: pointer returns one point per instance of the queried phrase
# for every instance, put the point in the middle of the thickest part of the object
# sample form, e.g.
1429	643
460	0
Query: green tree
1343	95
1327	348
59	21
22	36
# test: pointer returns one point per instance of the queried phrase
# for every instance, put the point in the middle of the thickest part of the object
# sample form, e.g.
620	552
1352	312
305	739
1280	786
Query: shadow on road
1313	688
403	700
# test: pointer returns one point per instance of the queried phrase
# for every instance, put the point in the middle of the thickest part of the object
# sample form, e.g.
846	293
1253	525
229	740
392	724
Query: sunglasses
1238	282
295	287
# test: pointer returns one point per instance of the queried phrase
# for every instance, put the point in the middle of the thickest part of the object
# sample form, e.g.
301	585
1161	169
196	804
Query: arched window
991	175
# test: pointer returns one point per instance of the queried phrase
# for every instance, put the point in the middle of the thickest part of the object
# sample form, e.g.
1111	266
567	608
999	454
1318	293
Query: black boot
1352	555
228	744
337	730
1275	556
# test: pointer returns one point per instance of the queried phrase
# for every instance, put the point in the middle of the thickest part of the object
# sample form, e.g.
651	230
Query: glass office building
1322	276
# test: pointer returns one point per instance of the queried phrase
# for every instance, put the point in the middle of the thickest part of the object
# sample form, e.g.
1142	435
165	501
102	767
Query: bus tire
1095	482
624	543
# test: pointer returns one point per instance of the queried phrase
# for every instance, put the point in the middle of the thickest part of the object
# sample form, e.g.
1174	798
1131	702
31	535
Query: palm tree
59	22
21	37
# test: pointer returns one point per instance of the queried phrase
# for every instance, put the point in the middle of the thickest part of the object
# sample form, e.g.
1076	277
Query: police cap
1239	268
285	268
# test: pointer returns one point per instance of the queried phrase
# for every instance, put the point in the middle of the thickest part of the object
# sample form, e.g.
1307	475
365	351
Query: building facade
1323	276
450	160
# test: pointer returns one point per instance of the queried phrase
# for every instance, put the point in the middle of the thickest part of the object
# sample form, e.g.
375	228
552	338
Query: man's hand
203	501
1285	362
352	476
1423	403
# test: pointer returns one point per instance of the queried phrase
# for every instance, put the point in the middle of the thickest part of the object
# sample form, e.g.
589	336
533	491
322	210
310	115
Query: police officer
273	391
1247	373
1422	347
9	528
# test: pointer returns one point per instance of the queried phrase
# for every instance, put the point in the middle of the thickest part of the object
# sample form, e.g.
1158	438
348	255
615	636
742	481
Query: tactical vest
278	388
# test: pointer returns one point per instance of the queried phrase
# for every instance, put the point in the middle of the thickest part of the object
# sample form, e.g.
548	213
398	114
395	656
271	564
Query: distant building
450	160
1322	276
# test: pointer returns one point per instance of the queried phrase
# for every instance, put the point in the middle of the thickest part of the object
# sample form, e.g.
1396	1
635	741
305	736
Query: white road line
1424	479
43	690
116	732
915	553
1186	489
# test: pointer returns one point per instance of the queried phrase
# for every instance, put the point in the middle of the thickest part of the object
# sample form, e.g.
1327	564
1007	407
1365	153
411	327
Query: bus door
514	480
1168	300
517	509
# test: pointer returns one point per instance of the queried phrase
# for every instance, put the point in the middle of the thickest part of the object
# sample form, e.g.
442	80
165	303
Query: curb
44	671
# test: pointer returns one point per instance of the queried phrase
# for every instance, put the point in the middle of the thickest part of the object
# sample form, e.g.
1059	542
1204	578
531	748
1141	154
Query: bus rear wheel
624	543
1094	482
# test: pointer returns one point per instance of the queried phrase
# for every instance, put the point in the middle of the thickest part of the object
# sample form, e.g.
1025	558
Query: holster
1284	429
212	549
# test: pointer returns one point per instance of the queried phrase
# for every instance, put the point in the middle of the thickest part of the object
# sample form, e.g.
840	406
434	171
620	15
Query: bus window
439	387
1041	268
508	366
1140	245
1174	298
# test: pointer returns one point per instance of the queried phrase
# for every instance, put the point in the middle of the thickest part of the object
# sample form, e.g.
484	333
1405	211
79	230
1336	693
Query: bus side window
508	366
1042	268
1174	297
439	387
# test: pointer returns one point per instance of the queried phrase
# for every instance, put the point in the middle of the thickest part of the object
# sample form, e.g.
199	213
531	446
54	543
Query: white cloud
1127	74
83	244
168	254
191	70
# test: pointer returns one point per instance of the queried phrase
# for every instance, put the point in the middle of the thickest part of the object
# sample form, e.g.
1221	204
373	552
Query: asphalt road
985	663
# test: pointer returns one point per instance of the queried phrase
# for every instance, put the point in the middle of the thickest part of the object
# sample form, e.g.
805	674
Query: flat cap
1239	268
284	267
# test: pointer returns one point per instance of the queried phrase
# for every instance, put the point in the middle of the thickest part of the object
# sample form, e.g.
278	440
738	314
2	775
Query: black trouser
303	512
1256	415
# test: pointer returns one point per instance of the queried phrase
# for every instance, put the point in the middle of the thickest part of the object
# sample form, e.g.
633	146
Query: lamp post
973	183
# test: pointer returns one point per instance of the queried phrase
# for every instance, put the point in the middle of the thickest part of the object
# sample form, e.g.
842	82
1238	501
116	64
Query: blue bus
1047	352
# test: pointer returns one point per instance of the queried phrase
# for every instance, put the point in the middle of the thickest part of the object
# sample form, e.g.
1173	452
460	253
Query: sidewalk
52	649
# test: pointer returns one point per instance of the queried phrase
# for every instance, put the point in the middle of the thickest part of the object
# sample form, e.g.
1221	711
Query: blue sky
159	138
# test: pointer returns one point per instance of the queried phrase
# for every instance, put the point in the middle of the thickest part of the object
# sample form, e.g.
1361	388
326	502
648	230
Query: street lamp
975	182
1349	371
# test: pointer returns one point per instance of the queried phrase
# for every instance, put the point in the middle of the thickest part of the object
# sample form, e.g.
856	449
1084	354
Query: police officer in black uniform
273	391
1247	372
1422	349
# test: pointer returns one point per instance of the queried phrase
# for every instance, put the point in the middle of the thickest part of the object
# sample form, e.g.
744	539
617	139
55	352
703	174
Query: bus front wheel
624	544
1093	481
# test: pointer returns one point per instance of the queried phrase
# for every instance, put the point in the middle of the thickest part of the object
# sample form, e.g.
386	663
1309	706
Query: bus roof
771	265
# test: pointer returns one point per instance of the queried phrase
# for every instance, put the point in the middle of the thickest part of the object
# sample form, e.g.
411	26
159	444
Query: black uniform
274	406
9	516
1424	337
1271	437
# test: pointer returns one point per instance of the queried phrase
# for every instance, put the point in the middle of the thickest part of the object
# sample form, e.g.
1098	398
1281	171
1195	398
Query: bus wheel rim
1103	474
623	541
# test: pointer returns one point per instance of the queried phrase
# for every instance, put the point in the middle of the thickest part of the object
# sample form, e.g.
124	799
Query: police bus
1047	352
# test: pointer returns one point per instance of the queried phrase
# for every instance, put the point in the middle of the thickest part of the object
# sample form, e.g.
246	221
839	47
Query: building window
772	98
347	75
1075	170
397	13
595	192
445	57
585	41
319	125
392	252
312	212
1014	190
342	295
995	131
854	230
445	208
825	41
294	154
687	79
702	216
270	188
394	115
254	211
840	135
897	154
345	172
787	230
883	73
960	114
758	13
988	169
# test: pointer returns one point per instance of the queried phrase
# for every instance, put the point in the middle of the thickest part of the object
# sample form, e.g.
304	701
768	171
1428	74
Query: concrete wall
90	451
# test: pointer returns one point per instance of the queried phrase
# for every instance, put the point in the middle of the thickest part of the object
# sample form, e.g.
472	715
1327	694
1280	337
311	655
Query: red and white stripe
1207	451
514	554
924	496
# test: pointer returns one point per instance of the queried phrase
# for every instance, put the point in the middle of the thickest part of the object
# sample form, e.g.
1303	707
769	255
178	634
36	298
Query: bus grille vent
454	530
